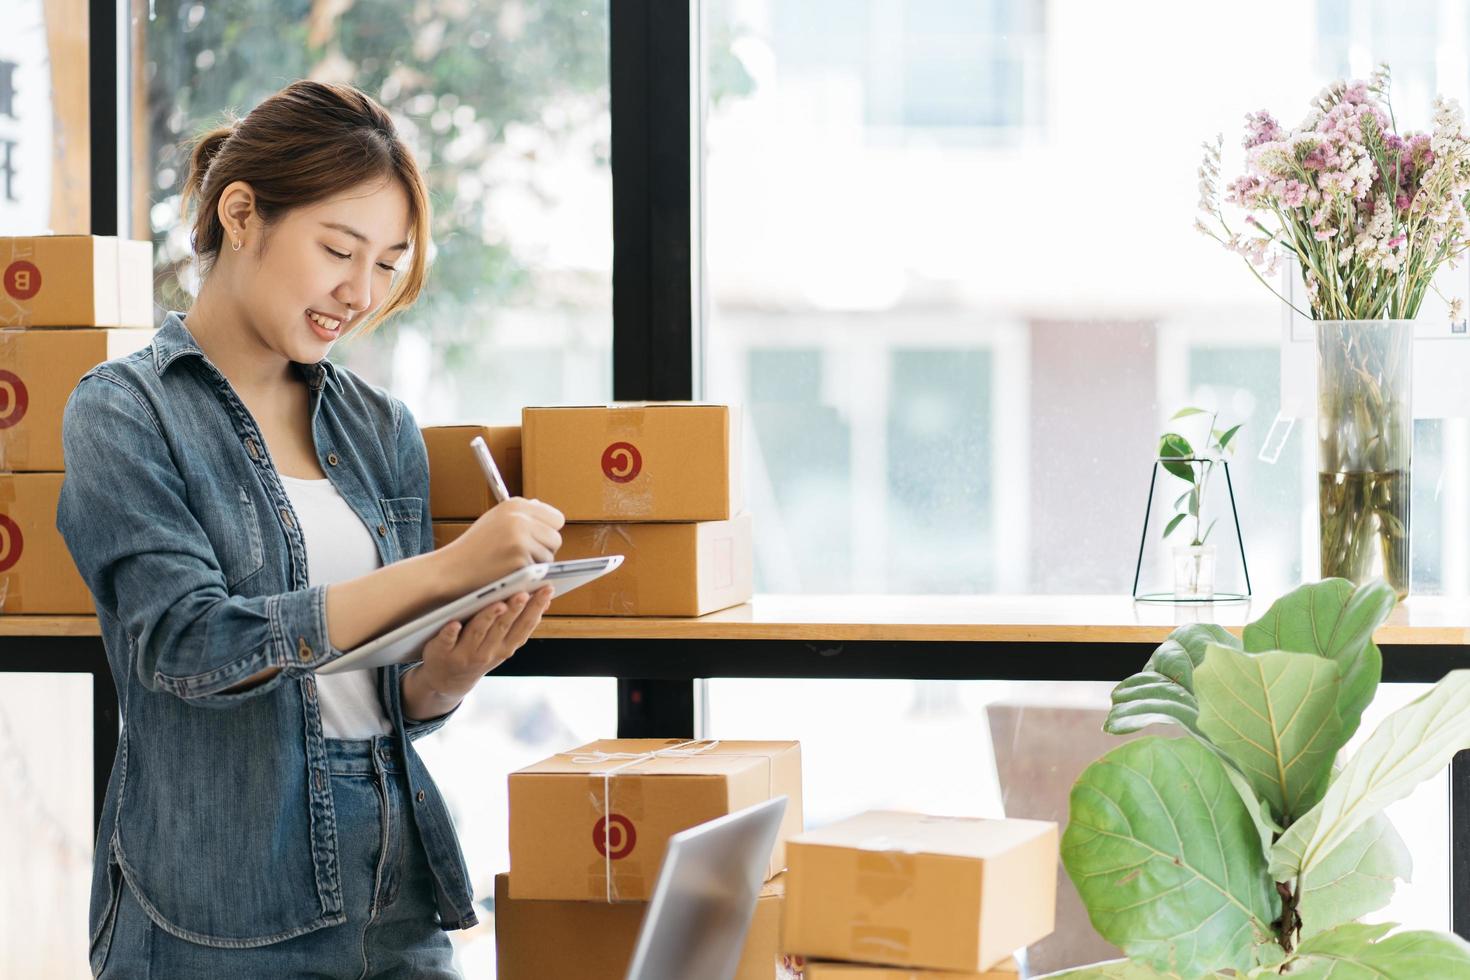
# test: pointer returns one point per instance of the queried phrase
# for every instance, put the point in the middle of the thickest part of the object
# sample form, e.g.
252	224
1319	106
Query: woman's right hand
509	536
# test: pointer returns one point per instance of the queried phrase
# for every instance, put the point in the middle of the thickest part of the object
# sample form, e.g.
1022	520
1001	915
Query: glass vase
1365	436
1194	571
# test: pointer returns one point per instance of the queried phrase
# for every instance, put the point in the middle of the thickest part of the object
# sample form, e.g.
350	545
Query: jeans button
419	796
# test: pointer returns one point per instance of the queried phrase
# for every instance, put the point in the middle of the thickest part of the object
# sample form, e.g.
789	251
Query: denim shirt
219	809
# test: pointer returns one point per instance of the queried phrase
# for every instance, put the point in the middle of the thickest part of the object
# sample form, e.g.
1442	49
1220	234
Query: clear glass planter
1365	437
1194	571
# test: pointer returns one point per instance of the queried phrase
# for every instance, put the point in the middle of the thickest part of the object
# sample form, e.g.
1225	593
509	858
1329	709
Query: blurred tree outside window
505	104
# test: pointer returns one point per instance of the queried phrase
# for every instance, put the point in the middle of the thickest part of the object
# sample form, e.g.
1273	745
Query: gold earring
236	246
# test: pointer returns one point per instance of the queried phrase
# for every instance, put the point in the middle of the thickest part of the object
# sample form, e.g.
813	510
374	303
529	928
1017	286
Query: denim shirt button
286	516
419	796
252	447
382	531
310	689
302	650
331	459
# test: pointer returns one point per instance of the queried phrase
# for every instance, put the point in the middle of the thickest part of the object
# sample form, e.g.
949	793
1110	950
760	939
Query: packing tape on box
630	876
883	875
15	447
15	444
627	760
10	600
623	600
13	312
635	499
12	447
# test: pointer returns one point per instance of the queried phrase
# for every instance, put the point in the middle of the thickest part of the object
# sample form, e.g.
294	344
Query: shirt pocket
404	518
238	543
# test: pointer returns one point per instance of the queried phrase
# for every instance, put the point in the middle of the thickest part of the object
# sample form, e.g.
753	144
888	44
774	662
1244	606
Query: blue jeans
391	930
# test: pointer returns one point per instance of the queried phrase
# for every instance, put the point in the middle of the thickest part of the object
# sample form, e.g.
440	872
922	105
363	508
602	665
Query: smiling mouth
323	321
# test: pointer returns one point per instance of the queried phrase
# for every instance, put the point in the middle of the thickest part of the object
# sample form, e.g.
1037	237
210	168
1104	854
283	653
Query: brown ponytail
304	144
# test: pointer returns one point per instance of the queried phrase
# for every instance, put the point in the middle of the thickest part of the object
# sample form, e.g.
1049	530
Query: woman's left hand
458	656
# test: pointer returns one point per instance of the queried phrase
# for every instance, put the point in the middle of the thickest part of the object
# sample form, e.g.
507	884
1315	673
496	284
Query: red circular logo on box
12	543
614	836
621	462
13	399
22	279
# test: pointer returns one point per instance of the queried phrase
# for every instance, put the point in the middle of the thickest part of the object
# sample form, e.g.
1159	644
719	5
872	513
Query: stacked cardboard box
659	483
594	940
656	482
67	303
458	491
921	897
588	831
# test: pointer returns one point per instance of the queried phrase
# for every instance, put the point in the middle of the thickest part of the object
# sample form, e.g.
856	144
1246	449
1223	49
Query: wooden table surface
999	618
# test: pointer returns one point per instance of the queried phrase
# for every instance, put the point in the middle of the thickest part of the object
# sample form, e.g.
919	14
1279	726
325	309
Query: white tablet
406	643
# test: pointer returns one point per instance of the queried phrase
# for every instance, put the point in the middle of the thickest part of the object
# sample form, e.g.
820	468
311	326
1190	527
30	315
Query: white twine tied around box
628	759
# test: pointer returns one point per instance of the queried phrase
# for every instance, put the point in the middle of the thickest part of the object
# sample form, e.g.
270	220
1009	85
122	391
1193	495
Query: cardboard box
36	570
669	570
903	889
592	824
38	370
647	461
457	488
823	970
535	940
75	281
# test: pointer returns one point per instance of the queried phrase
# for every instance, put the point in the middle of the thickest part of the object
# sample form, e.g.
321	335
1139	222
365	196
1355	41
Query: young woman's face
323	268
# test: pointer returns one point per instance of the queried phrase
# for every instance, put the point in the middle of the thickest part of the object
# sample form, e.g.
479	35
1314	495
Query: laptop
705	897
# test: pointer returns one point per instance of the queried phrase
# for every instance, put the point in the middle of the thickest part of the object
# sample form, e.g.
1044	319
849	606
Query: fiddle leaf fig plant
1242	849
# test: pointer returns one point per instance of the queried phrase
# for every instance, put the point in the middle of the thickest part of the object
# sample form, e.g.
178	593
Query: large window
959	323
957	353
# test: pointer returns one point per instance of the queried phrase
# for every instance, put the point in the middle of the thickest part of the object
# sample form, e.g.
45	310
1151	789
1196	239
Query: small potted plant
1194	562
1242	849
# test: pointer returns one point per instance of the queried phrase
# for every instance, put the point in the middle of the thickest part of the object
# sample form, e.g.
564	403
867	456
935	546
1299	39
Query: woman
243	511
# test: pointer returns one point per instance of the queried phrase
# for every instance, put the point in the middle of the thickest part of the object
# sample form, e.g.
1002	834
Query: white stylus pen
491	471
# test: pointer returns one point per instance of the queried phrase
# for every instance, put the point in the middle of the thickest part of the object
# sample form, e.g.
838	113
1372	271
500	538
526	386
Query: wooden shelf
1429	620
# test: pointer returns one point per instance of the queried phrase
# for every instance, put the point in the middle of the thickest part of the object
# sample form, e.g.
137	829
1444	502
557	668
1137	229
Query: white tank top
338	547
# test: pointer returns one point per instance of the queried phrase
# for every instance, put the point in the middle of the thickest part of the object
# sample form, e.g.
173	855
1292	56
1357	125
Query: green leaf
1225	437
1268	955
1275	716
1333	620
1358	877
1357	952
1415	742
1185	413
1182	497
1194	501
1167	859
1163	693
1164	690
1174	446
1169	528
